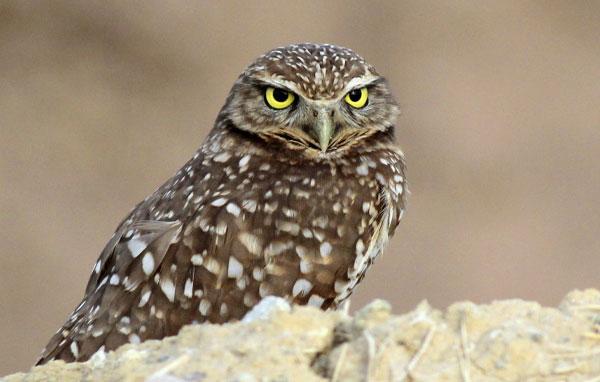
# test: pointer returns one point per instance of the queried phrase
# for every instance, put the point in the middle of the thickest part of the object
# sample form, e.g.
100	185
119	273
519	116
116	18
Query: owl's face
317	99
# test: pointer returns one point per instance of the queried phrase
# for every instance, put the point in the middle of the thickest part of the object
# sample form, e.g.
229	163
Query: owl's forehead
317	71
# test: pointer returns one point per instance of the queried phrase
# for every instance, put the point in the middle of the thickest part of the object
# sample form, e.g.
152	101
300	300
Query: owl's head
319	99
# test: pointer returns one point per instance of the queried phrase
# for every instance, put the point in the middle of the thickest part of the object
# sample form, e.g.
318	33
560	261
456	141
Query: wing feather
131	257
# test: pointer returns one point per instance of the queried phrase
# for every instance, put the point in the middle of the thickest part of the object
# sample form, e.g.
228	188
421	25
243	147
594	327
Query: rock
266	307
510	340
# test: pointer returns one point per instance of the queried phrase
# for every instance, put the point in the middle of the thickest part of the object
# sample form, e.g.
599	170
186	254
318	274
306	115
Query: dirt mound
510	340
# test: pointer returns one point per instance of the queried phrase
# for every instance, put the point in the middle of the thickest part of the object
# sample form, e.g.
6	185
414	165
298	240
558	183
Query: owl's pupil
354	95
280	95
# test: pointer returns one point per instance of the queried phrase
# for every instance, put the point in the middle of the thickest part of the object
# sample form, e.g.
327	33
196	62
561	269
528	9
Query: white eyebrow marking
357	82
360	82
280	83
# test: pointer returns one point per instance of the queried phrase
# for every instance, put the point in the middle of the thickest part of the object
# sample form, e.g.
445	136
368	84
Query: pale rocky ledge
511	340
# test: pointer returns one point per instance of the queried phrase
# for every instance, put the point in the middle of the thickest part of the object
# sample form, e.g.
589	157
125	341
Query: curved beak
324	128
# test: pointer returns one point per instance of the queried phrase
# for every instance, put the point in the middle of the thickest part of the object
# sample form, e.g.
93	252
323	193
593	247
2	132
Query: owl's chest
293	229
317	197
329	204
301	223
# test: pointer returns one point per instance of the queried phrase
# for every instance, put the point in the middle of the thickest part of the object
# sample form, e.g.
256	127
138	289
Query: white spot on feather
204	307
97	333
148	263
114	279
305	266
251	242
249	205
188	288
74	349
301	287
360	247
219	202
233	209
307	233
197	259
258	273
168	289
144	299
221	228
135	247
325	249
286	226
223	157
212	265
244	161
234	269
224	309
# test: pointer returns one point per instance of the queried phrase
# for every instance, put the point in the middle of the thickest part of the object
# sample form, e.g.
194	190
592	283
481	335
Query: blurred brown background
100	102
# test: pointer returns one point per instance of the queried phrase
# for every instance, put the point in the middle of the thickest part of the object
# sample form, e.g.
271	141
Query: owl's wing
141	242
389	205
129	259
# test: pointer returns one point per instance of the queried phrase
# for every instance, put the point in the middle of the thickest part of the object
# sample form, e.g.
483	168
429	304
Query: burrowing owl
295	191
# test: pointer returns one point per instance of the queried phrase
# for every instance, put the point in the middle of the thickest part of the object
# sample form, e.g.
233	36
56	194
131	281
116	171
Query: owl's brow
266	82
355	83
361	82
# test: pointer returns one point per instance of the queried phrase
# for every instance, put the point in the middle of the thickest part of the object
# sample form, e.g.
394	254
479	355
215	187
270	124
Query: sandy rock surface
511	340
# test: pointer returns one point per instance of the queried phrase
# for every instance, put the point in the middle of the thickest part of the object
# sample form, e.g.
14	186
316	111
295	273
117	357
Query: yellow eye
357	98
278	98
